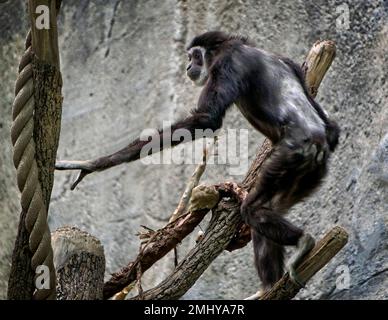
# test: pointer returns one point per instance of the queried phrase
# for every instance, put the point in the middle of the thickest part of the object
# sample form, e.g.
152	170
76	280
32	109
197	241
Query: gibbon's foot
256	296
305	244
86	167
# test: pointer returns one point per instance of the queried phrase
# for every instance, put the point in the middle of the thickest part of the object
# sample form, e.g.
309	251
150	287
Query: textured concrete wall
123	70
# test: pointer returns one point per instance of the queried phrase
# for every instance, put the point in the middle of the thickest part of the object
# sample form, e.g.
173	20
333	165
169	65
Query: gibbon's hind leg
269	259
306	243
270	233
292	172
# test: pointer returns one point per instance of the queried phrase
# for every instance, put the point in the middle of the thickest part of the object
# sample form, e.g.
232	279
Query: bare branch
193	182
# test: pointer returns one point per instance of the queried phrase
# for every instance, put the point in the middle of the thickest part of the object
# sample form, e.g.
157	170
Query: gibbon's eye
196	55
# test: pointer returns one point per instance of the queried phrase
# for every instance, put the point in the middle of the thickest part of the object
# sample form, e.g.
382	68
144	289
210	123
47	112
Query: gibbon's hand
86	167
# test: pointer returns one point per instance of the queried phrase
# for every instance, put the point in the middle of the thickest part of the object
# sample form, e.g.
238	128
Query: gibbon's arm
215	99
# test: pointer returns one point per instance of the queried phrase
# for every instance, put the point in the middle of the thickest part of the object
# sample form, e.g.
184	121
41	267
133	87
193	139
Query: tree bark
79	263
21	279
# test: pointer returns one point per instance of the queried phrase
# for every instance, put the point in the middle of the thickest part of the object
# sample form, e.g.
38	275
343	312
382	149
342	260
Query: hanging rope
24	158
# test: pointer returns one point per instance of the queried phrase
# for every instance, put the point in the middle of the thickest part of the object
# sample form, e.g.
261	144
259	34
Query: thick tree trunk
47	86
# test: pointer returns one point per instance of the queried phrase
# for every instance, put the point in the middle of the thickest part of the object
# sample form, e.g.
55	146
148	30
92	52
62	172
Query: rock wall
123	66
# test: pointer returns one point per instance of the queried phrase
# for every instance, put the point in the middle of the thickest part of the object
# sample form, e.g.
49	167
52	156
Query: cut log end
79	263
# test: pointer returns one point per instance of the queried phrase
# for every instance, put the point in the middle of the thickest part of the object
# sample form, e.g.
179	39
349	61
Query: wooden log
318	61
79	263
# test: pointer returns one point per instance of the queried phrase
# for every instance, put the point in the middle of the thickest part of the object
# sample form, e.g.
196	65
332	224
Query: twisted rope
24	158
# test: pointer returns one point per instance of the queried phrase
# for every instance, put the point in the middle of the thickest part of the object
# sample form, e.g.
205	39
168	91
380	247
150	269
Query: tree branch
167	238
219	233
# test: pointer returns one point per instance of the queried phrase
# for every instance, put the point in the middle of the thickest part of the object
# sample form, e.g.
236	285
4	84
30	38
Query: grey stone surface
123	70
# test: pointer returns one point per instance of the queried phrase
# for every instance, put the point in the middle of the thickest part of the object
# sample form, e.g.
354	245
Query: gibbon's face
197	69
